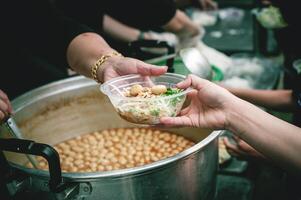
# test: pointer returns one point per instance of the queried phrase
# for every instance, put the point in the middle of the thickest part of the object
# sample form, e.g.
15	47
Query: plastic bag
260	72
270	17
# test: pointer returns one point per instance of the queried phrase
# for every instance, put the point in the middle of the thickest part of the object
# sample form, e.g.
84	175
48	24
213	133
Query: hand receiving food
208	107
117	66
5	106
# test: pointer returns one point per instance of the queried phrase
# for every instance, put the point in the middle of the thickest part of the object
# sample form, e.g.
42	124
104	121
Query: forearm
181	25
276	139
272	99
84	50
118	30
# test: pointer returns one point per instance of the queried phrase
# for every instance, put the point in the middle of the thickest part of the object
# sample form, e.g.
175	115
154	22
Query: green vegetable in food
172	91
133	110
155	112
176	100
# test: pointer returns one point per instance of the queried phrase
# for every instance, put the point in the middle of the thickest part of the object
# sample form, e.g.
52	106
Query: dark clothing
89	12
146	15
35	40
288	38
297	97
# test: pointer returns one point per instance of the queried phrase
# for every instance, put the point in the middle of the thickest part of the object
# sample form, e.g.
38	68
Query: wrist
233	112
97	70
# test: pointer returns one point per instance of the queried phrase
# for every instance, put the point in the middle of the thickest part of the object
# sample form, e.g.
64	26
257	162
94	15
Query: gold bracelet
99	62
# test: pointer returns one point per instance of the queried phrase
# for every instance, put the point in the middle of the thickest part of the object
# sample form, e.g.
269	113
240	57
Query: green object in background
270	18
217	74
180	68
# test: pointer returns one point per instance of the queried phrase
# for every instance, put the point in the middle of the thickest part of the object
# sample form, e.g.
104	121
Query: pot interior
55	113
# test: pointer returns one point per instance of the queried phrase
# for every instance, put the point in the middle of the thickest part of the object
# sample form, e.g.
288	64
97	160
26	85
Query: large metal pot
74	106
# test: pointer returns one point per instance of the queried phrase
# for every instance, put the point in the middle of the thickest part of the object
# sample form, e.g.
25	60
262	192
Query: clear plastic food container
143	110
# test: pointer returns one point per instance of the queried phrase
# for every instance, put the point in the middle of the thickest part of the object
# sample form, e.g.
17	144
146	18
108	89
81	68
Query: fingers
242	149
197	82
228	143
184	84
4	110
212	5
175	121
233	149
208	4
185	111
193	81
4	97
2	116
190	96
187	82
5	106
249	149
146	69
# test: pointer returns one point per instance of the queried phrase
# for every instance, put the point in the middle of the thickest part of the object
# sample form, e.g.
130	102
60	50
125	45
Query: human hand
168	37
266	2
187	41
117	66
208	4
5	106
208	108
241	149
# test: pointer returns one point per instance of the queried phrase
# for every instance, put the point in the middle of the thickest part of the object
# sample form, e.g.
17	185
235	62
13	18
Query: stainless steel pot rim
40	93
127	172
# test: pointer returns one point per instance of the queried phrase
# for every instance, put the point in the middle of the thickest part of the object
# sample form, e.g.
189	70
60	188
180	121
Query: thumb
194	81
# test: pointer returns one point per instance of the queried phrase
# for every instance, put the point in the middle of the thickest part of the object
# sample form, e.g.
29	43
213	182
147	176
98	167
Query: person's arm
118	30
124	33
85	49
214	107
272	99
275	138
182	25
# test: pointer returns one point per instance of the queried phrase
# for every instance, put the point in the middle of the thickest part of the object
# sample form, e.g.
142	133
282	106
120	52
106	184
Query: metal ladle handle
16	133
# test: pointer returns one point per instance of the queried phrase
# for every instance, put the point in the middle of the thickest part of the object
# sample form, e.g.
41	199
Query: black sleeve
297	112
89	12
142	14
288	37
37	27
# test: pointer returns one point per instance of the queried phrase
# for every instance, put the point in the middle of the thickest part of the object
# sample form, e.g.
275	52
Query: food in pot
115	149
152	106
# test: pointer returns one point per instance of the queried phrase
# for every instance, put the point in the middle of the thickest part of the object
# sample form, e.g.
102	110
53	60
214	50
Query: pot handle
38	149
